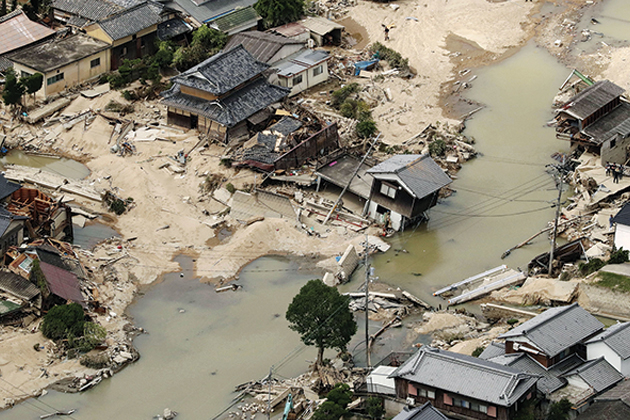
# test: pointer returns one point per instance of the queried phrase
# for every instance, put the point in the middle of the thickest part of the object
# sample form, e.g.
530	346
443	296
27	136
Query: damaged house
404	187
223	96
597	120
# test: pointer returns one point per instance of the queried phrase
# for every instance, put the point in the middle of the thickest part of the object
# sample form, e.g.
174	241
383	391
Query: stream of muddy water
201	344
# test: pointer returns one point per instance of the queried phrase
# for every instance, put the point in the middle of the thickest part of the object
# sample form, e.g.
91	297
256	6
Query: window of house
297	80
479	407
56	78
95	63
457	402
426	393
613	143
388	190
318	70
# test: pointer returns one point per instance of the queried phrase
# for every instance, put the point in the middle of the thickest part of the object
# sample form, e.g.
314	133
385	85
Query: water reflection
61	166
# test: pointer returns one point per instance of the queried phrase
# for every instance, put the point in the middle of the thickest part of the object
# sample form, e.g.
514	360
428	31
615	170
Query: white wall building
614	345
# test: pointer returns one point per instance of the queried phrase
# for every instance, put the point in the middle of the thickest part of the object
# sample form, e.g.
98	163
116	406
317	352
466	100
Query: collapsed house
18	298
223	96
597	120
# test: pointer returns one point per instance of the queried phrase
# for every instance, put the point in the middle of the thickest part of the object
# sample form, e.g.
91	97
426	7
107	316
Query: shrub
340	96
63	321
512	321
476	352
374	408
437	148
340	395
230	188
366	129
590	267
393	58
619	256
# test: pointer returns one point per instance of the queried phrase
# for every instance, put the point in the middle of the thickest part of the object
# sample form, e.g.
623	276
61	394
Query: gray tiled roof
222	72
493	350
7	187
94	10
621	391
232	109
592	98
550	379
424	412
419	173
617	337
17	285
466	376
557	329
132	20
598	374
261	45
623	216
172	28
608	410
286	126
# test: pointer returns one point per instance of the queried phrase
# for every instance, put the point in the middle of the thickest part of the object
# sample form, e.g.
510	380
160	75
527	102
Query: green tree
206	42
63	321
374	408
329	411
560	410
365	129
32	83
37	277
340	395
279	12
322	318
13	90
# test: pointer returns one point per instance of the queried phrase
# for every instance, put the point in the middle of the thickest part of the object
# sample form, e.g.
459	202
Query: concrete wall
73	74
599	349
622	236
603	301
618	153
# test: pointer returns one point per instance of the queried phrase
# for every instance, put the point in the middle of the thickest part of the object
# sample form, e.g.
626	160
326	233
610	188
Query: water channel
201	344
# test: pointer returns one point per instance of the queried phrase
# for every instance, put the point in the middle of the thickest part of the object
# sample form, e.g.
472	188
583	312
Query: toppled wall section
314	148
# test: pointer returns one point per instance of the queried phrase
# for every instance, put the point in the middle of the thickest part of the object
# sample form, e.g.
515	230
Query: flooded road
503	196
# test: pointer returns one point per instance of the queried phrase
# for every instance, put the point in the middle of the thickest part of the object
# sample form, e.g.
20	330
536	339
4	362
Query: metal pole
367	299
269	398
350	180
555	224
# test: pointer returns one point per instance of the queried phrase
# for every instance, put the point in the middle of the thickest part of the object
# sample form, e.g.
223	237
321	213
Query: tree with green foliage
560	410
374	408
13	90
320	314
32	83
206	42
163	57
279	12
37	277
329	411
340	395
63	321
366	129
3	8
477	351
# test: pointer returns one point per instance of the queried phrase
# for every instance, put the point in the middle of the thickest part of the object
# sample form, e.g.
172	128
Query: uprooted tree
320	314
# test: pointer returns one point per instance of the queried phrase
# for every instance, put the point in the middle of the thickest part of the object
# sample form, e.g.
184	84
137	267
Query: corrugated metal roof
311	57
592	98
18	31
598	374
425	412
62	283
17	286
132	20
290	30
319	25
419	173
617	337
557	329
58	53
623	216
222	72
616	122
245	17
263	46
206	11
466	376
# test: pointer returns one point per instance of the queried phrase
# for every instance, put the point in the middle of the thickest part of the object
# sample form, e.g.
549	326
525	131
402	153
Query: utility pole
350	180
561	171
367	299
269	398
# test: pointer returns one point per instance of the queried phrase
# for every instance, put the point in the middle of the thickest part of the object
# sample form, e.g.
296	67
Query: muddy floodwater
201	344
61	166
502	197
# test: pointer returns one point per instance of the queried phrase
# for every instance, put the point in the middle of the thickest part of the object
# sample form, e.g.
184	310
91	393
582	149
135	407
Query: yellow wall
73	74
197	93
95	31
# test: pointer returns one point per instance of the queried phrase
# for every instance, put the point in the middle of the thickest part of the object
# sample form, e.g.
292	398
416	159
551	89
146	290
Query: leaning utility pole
367	299
561	171
350	180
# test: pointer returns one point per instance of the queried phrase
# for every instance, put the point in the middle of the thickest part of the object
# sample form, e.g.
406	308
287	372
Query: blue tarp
362	65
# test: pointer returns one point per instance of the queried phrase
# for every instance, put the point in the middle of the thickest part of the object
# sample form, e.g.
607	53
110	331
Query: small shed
238	20
323	31
379	382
